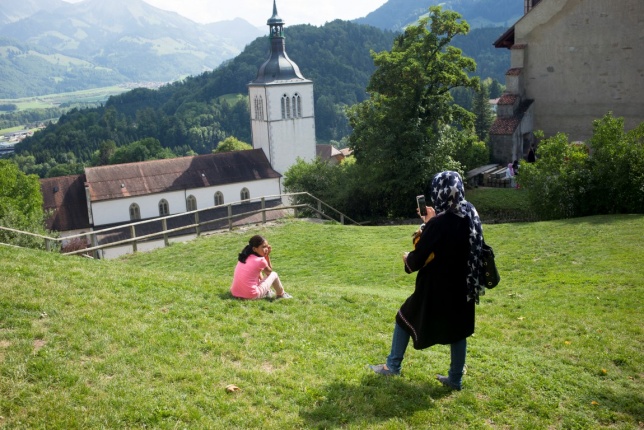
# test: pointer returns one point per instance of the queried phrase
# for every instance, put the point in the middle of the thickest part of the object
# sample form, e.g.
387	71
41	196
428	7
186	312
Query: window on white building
219	198
245	194
135	212
164	208
191	203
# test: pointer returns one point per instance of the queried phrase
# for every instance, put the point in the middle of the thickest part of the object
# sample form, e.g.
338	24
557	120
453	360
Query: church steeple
278	67
282	106
276	23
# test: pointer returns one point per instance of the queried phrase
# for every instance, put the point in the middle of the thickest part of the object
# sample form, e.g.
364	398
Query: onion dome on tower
278	67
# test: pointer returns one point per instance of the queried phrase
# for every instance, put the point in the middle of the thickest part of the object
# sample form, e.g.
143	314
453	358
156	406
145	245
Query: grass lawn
501	204
152	340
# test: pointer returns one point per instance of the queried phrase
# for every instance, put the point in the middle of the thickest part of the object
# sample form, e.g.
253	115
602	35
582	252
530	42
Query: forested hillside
397	14
491	62
29	69
192	116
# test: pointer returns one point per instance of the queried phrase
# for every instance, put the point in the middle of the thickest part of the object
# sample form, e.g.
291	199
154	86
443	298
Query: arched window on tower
256	108
135	212
259	107
284	98
288	107
297	106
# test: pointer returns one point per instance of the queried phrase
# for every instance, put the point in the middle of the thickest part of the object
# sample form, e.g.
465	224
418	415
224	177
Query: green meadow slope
152	340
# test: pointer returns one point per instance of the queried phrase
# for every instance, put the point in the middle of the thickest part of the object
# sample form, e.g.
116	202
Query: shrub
21	206
572	179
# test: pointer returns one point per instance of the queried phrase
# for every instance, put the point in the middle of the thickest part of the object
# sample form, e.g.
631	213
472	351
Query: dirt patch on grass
38	344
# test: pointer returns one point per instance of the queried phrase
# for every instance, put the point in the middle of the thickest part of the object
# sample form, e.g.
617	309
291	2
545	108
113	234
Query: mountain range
61	46
397	14
51	46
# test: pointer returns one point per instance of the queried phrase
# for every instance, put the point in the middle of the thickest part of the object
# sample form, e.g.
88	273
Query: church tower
281	104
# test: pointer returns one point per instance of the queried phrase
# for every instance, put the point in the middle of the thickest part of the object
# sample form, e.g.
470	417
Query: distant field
54	100
232	98
83	98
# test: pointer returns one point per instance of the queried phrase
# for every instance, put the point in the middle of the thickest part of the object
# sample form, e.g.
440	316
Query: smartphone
422	205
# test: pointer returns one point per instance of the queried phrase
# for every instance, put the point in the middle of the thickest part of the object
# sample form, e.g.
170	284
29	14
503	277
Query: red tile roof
507	99
505	126
326	151
156	176
515	71
64	196
506	40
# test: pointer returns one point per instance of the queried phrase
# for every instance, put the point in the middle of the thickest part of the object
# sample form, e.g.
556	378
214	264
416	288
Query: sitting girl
253	262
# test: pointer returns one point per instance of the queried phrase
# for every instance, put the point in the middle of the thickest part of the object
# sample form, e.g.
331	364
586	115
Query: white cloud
257	12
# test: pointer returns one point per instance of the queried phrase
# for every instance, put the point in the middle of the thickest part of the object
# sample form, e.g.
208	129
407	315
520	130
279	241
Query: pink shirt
246	278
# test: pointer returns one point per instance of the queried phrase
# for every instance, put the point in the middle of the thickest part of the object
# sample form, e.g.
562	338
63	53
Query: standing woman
254	275
509	174
441	308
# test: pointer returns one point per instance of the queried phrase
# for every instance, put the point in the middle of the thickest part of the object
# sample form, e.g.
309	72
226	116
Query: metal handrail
165	232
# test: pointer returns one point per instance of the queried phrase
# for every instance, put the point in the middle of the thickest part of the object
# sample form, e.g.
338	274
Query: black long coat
438	311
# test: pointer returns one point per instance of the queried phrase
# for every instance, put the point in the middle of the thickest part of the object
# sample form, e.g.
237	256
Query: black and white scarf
448	195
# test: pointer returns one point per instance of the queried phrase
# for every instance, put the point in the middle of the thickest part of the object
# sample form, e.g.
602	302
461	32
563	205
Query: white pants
272	280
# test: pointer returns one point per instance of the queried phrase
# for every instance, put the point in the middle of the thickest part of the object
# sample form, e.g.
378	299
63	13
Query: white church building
283	130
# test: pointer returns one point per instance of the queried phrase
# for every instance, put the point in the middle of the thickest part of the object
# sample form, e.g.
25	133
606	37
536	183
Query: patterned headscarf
448	195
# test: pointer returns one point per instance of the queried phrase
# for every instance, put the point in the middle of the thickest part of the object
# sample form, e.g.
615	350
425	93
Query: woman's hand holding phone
431	213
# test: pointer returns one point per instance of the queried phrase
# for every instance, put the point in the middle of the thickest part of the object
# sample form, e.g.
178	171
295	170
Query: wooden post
164	223
319	209
197	229
263	210
230	217
342	219
94	244
133	236
47	244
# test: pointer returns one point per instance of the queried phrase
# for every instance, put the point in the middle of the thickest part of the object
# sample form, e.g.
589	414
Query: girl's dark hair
254	242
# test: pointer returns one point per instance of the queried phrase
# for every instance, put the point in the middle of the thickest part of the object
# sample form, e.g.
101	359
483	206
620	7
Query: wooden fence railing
321	209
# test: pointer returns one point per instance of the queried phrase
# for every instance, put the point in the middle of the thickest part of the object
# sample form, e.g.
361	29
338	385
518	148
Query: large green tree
483	111
141	150
21	205
397	132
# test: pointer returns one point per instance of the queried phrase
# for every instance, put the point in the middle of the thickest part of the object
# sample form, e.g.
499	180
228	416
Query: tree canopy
400	133
232	144
21	204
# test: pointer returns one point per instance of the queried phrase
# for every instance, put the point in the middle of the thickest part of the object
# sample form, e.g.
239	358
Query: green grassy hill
153	339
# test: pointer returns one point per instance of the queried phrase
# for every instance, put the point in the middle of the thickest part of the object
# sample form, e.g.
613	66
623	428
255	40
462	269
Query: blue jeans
399	344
